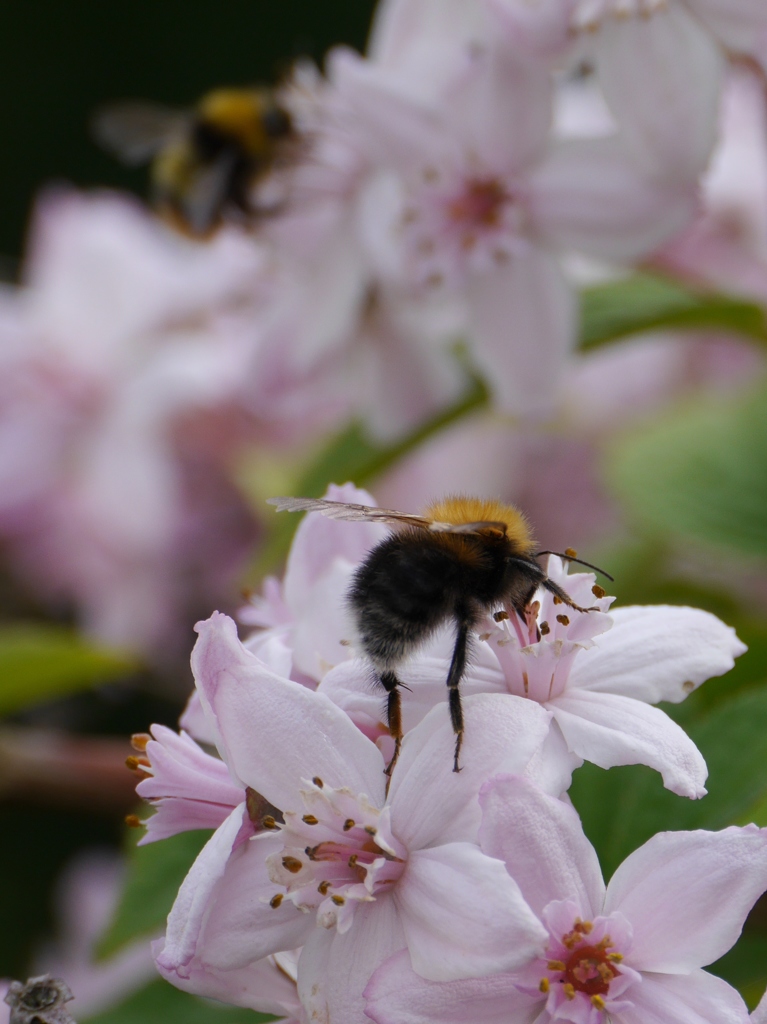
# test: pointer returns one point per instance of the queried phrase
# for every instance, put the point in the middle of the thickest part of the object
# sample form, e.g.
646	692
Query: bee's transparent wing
207	194
341	510
349	512
134	131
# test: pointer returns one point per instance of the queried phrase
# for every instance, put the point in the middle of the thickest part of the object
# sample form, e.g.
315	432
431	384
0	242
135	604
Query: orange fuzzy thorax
459	509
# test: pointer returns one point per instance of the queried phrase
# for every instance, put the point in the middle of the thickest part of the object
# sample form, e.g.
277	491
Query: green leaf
623	807
646	302
155	873
161	1003
701	472
39	662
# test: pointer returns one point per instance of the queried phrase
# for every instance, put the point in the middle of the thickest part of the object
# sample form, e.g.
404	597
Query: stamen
353	860
349	824
598	1001
269	822
563	619
568	990
323	888
338	900
615	957
309	819
557	600
292	864
318	782
139	741
556	965
544	628
571	552
371	831
500	616
276	900
598	591
133	821
544	985
138	764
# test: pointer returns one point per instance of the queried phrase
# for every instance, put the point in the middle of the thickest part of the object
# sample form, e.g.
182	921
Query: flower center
341	852
455	224
589	969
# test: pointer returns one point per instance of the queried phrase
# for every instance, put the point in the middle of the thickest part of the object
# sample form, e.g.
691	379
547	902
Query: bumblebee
463	559
205	162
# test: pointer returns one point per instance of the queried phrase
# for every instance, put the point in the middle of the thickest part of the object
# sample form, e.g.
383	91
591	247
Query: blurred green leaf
38	662
622	808
646	302
155	873
701	472
161	1003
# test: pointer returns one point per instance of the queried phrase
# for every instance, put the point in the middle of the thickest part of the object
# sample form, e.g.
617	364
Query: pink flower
599	691
630	953
472	201
353	874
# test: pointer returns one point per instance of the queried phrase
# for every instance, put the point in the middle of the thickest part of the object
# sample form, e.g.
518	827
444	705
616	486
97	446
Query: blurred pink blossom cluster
329	892
453	185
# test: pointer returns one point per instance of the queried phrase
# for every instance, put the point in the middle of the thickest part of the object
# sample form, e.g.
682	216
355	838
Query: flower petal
687	895
523	323
463	915
589	195
609	730
430	802
661	76
277	732
334	968
240	926
695	998
397	995
542	843
657	652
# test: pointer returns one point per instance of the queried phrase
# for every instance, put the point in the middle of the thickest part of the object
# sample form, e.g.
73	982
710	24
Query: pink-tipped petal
463	915
278	732
610	730
589	195
657	652
397	995
661	76
687	895
430	802
542	842
695	998
523	321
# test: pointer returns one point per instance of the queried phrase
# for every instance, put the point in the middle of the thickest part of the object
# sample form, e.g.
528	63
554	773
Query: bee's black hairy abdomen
413	582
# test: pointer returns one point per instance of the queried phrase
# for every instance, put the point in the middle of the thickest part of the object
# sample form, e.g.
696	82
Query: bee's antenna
572	558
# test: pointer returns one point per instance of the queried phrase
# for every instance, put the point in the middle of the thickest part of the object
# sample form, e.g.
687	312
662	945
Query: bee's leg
563	596
454	676
393	715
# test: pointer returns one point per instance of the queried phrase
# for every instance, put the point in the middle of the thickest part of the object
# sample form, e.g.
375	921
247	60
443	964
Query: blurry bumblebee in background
464	559
207	162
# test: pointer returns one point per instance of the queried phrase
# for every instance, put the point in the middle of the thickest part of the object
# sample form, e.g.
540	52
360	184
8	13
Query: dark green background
59	59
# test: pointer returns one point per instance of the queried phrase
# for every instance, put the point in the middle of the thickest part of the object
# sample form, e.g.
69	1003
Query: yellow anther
268	822
568	990
309	819
555	965
615	957
338	900
598	1001
349	823
544	985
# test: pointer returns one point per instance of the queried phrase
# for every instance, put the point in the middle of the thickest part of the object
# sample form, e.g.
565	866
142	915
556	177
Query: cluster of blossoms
331	893
453	184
